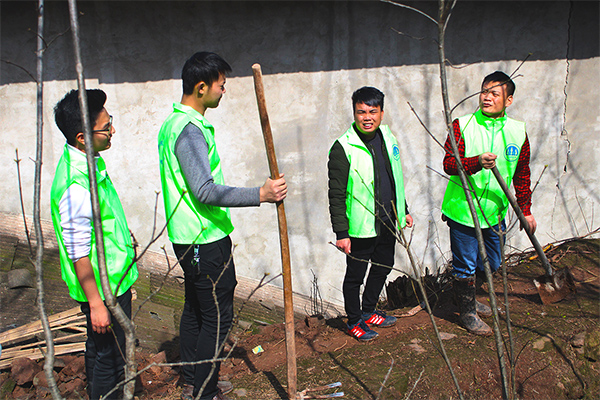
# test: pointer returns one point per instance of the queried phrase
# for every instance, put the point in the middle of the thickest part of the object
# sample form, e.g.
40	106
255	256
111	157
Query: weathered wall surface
314	55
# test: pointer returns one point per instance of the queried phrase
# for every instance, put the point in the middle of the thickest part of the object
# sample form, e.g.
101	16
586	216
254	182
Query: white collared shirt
75	209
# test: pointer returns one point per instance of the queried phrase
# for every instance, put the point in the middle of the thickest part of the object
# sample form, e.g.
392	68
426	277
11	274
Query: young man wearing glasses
72	217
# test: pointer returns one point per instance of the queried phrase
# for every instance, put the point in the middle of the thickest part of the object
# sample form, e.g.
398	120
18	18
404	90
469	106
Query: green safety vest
502	136
189	221
72	170
360	197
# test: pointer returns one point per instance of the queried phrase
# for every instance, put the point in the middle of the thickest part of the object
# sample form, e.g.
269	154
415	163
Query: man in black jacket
367	206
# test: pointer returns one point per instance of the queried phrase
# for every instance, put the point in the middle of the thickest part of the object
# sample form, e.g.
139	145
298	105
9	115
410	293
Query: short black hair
202	67
368	95
67	112
502	78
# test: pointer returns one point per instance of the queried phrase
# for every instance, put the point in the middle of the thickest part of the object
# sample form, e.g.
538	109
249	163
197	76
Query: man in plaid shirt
485	139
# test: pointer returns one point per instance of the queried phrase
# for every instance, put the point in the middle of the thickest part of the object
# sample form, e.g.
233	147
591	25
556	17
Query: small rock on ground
578	340
417	348
447	336
540	344
18	278
245	325
23	370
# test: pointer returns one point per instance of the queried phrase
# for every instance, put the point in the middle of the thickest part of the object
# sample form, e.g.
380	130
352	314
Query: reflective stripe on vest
501	136
360	198
189	221
72	170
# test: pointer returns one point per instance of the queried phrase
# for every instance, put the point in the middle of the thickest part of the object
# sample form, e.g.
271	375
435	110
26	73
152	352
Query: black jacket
338	168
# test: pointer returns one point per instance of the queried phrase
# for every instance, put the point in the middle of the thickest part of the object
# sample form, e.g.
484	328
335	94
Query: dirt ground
555	346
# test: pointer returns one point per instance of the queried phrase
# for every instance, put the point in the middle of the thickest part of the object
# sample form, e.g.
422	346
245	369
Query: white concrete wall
308	111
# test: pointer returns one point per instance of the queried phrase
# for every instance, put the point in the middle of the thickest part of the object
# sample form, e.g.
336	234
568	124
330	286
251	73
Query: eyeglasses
108	128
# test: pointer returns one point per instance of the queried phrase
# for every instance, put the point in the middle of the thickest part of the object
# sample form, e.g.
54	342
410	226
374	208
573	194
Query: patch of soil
548	365
553	347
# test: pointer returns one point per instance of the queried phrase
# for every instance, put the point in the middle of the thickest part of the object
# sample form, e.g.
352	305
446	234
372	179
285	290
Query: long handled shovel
554	285
290	344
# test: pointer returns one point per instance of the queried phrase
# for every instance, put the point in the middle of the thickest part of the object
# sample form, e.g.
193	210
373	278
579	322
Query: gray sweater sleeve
191	150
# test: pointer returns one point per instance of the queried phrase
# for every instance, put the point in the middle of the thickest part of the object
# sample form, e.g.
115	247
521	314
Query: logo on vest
511	153
396	152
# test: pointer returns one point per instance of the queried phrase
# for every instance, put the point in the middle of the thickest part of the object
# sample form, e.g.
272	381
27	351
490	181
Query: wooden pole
290	344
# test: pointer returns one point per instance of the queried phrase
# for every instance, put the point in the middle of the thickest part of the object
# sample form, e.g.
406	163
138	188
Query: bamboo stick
24	332
36	354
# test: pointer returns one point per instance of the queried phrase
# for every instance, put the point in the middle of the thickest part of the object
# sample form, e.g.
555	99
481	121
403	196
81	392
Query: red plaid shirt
521	179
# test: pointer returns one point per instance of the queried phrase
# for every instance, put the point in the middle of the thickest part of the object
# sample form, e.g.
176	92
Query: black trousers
104	362
378	250
203	320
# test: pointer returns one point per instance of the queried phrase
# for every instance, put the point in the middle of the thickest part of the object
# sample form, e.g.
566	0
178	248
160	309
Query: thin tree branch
49	355
410	8
511	341
464	181
218	346
17	161
415	385
33	78
446	15
463	66
581	210
413	37
424	126
385	379
162	283
512	76
153	238
418	277
367	261
539	178
56	37
110	299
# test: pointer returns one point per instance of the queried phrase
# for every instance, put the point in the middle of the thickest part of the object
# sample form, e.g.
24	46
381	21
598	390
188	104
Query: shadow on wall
131	41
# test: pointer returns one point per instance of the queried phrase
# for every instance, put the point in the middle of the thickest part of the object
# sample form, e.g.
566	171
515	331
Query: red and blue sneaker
361	331
379	318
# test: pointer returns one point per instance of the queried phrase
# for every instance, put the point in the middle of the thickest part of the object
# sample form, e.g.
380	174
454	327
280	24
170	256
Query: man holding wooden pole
196	207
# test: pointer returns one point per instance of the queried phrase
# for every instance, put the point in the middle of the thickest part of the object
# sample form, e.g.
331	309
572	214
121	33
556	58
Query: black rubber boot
464	291
482	309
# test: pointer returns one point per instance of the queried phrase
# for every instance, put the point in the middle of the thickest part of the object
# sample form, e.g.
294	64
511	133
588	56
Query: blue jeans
465	251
